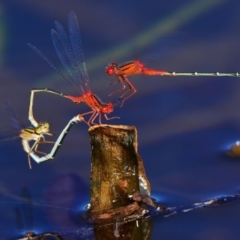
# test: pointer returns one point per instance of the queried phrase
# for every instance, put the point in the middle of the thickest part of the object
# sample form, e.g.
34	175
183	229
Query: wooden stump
115	173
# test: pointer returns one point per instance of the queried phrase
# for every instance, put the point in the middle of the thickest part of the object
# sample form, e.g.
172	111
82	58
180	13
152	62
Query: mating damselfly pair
70	52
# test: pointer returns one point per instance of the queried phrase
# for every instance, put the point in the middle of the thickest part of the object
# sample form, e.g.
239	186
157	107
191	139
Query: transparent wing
40	54
14	120
70	53
77	48
8	136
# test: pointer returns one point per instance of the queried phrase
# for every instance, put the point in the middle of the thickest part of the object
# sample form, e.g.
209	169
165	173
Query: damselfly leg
56	145
31	102
37	134
69	50
34	133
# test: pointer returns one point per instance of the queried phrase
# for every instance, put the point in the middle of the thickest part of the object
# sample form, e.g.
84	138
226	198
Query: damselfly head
111	68
42	128
107	108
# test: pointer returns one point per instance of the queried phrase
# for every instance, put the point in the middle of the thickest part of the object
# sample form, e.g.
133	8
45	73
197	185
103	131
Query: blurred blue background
185	124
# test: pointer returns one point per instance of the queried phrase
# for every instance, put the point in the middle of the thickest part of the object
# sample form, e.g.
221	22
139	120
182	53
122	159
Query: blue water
185	125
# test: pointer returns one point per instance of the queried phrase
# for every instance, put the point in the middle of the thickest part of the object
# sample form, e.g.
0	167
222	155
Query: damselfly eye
110	70
108	108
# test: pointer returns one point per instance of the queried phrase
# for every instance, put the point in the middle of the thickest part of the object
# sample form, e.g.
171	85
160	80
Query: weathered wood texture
114	170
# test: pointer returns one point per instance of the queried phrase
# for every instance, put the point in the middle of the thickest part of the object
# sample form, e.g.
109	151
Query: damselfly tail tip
80	118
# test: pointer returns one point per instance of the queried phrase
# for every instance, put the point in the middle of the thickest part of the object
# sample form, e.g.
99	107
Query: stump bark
116	169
